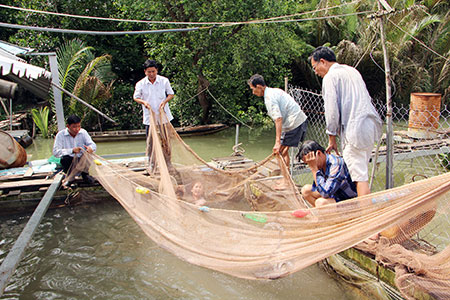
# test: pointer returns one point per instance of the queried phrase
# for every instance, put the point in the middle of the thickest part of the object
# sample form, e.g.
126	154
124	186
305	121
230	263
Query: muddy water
98	252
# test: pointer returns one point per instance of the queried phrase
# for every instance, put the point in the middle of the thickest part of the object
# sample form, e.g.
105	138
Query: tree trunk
203	83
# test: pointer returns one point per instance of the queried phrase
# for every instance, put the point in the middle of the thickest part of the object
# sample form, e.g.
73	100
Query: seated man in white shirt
71	142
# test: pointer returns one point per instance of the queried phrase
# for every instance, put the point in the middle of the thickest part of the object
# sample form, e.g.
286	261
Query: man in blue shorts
290	120
332	181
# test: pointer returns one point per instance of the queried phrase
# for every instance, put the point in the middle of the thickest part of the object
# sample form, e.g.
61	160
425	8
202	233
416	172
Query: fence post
389	128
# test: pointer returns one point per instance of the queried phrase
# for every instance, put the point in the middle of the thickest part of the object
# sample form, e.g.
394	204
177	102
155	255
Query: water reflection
98	252
257	144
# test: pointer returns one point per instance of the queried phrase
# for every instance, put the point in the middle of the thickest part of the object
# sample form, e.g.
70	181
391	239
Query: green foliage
444	159
73	56
40	118
122	108
222	58
86	76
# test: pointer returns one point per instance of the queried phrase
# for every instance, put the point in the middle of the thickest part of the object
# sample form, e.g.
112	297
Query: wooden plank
28	173
14	193
25	183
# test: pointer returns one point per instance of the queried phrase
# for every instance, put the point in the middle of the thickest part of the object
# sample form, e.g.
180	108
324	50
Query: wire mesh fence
421	149
421	140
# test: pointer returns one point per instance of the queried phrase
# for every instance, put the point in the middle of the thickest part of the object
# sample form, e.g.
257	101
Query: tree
220	58
86	76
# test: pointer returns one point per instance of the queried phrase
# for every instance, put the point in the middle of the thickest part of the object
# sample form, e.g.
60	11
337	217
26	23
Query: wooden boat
21	136
139	134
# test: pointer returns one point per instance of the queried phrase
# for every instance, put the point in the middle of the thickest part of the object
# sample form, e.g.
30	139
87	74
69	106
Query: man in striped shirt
332	181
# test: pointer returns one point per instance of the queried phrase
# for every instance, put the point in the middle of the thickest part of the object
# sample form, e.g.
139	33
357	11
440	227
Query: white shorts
357	161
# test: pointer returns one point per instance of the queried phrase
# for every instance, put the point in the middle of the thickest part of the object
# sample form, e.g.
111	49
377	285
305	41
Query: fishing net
242	223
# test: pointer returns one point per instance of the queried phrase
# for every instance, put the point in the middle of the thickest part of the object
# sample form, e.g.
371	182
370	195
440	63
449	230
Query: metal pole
236	140
57	95
10	113
14	256
389	127
83	102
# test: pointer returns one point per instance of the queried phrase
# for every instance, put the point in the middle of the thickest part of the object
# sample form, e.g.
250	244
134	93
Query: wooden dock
21	193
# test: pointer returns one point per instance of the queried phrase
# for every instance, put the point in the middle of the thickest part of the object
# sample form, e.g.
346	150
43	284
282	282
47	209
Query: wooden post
57	95
389	127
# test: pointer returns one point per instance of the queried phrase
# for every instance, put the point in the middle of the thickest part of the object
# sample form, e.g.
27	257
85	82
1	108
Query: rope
182	102
185	101
47	29
173	22
240	121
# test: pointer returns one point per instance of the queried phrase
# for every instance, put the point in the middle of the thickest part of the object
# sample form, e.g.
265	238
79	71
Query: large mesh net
239	222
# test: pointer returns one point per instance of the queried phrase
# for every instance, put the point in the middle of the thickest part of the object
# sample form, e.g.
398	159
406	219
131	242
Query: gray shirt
349	111
280	104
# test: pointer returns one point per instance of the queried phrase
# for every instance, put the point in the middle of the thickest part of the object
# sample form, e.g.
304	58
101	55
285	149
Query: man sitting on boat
332	181
71	142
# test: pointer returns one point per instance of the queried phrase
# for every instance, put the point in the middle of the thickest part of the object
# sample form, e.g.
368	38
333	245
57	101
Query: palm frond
422	25
72	56
40	118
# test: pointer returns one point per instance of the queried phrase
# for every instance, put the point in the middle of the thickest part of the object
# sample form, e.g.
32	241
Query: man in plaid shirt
332	181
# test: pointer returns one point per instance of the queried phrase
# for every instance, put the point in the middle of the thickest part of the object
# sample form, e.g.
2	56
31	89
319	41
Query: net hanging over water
238	223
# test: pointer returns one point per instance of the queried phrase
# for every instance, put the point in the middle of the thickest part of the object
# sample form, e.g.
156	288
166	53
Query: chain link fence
421	146
421	140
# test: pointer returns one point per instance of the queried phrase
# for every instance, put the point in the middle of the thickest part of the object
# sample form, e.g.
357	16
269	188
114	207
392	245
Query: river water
97	251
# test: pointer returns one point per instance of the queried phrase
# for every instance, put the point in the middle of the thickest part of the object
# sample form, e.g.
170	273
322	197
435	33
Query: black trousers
66	162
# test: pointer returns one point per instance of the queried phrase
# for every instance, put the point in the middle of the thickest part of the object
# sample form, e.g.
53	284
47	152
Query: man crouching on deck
70	142
332	181
290	120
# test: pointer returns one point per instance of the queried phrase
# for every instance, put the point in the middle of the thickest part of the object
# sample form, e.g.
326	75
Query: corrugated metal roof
33	78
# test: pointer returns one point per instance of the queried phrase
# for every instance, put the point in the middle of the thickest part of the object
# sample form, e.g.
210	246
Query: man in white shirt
153	92
290	120
71	142
349	113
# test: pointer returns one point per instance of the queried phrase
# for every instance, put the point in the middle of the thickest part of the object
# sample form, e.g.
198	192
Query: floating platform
21	189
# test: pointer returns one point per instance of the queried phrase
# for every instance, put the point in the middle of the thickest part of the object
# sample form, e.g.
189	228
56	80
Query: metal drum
11	153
